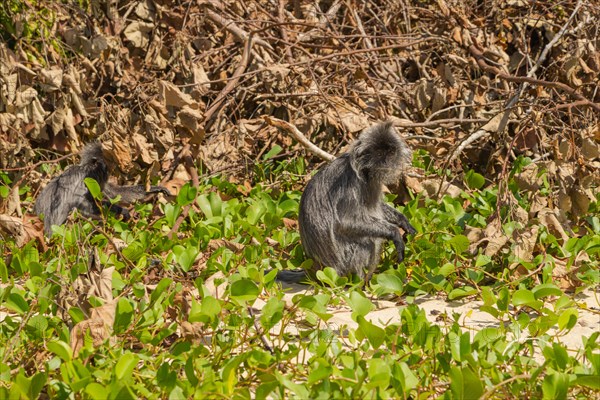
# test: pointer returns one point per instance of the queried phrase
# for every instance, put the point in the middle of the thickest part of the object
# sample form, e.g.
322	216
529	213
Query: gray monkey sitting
343	219
68	191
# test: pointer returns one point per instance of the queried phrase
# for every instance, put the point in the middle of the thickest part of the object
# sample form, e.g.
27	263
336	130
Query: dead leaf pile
475	86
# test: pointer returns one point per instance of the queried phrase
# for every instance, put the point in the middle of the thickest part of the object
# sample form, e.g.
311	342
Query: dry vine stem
299	136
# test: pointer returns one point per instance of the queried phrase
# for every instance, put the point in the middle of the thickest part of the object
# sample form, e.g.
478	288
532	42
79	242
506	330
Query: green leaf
17	303
591	381
172	211
465	384
360	304
391	283
186	195
204	205
374	334
487	336
487	295
244	290
272	313
37	325
524	297
93	187
459	243
216	204
160	289
545	290
300	391
568	318
96	391
446	269
461	292
123	315
255	211
211	307
555	386
185	256
38	381
125	366
61	349
408	379
315	303
276	149
379	373
474	180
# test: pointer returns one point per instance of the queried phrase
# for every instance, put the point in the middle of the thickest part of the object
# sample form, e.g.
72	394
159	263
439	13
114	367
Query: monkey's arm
129	194
397	218
370	228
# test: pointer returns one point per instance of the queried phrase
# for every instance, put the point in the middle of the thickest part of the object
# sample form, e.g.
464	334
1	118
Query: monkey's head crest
380	153
91	153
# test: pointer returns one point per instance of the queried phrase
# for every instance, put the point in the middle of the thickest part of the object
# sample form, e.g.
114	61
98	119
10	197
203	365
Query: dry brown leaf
51	79
525	240
192	332
581	201
98	327
172	96
138	33
144	149
537	203
89	329
7	121
215	244
548	218
192	120
174	185
497	239
12	203
566	277
590	149
290	223
12	226
432	187
414	184
520	215
475	236
97	282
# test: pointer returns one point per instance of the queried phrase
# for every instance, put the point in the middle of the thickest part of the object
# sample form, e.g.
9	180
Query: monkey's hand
159	189
399	243
400	250
118	210
408	229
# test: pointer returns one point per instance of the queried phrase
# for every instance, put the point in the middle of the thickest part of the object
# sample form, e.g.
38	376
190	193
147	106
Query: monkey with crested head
343	219
68	191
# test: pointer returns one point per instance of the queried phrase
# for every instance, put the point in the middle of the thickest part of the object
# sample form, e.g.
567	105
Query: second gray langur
343	219
68	191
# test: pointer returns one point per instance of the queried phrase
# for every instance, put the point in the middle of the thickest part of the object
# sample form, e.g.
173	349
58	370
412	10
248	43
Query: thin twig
217	104
299	136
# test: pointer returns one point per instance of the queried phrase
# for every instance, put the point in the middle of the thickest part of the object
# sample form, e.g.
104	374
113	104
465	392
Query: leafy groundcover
198	314
233	105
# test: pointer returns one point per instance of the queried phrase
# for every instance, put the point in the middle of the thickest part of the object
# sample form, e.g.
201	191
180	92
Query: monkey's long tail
293	276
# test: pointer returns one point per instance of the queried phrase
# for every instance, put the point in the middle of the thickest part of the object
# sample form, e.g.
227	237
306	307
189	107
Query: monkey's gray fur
68	191
343	219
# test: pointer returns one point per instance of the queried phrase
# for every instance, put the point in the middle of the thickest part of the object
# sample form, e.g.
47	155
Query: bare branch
299	136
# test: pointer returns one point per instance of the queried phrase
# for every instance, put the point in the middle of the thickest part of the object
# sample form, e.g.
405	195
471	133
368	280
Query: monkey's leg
371	228
397	218
159	189
129	194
